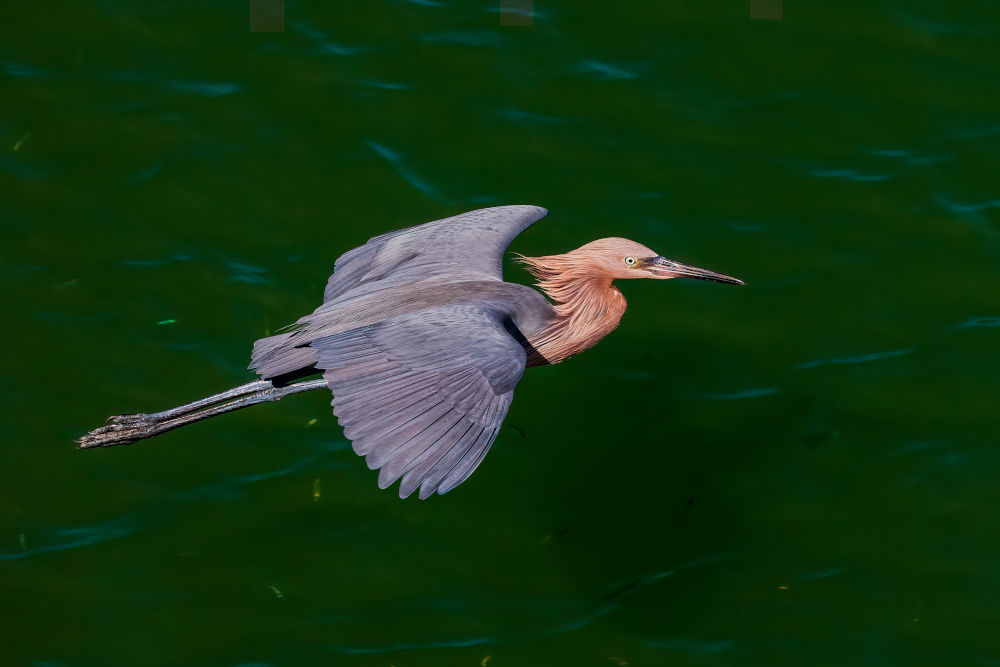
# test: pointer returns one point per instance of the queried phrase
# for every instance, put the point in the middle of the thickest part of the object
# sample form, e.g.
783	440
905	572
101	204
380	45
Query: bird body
422	342
288	352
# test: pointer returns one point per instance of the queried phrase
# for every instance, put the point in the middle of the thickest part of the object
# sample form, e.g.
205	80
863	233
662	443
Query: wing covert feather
469	243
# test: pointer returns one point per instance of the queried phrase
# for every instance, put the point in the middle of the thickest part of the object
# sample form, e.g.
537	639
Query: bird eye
630	261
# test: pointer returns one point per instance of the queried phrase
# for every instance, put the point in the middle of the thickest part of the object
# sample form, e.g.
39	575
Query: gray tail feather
278	355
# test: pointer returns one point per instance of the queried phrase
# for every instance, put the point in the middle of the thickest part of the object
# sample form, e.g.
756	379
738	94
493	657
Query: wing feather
475	240
468	246
467	465
420	465
387	447
384	425
435	479
401	459
432	472
388	401
441	381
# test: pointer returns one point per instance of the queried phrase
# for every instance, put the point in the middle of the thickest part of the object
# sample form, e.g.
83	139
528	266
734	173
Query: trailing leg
126	429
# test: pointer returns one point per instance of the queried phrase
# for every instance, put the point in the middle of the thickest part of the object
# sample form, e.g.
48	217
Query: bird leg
249	388
126	429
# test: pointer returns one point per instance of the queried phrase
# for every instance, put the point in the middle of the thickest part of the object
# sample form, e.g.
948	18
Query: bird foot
120	430
129	419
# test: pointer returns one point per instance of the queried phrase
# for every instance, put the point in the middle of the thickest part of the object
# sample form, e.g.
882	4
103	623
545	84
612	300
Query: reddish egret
422	342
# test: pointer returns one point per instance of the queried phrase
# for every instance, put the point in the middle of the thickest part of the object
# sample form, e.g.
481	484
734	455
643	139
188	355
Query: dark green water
800	472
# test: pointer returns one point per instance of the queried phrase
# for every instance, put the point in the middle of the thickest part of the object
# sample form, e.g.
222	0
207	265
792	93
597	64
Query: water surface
798	472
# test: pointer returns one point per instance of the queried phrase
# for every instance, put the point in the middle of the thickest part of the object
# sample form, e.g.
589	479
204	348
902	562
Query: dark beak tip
719	278
670	268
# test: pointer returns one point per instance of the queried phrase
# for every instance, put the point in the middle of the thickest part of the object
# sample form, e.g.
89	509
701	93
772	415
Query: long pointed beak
661	267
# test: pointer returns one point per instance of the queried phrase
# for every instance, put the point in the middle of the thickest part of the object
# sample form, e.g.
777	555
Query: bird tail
280	355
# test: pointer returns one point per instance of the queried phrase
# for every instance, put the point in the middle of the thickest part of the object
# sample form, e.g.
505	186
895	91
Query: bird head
618	258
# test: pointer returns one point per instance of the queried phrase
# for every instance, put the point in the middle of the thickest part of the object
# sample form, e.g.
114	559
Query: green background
799	472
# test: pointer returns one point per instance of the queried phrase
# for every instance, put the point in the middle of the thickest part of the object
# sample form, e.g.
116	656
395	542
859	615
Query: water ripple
574	623
394	159
535	13
939	28
737	395
71	538
602	71
859	359
971	212
326	45
203	88
163	511
823	574
463	37
206	88
145	174
695	646
338	49
983	322
977	132
931	460
19	270
247	273
848	175
521	117
446	643
306	29
162	261
584	621
909	157
15	165
387	85
580	619
890	152
22	71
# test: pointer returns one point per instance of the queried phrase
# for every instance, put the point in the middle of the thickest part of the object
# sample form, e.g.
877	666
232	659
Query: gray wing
471	243
469	246
422	396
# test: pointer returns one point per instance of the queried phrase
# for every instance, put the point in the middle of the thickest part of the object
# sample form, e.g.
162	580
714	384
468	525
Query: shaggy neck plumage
588	306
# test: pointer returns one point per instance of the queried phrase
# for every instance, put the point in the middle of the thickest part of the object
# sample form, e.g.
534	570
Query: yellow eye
630	261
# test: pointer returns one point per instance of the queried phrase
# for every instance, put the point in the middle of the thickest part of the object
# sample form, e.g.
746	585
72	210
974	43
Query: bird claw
129	419
119	430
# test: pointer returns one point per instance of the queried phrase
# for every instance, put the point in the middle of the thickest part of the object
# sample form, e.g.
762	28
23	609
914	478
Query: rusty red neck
588	307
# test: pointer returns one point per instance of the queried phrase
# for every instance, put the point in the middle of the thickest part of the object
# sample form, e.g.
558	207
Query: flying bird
422	342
